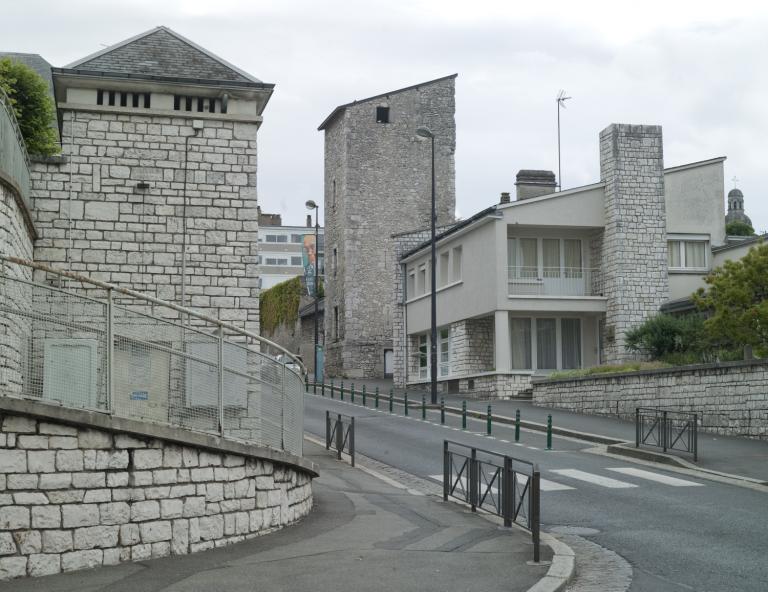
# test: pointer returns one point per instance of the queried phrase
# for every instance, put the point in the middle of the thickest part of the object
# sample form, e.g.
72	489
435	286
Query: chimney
309	220
504	197
532	183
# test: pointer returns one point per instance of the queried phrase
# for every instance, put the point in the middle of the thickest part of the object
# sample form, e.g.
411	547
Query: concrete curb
563	566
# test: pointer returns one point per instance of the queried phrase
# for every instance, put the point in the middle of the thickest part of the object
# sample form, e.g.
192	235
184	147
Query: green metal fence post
322	389
463	415
423	407
364	396
442	410
390	400
314	388
406	403
352	393
517	425
549	432
341	392
331	388
376	398
488	420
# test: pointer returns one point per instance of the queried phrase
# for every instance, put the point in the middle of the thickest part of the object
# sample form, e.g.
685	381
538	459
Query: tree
738	228
32	106
737	302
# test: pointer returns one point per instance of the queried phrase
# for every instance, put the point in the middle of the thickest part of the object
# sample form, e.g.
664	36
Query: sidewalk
363	534
724	454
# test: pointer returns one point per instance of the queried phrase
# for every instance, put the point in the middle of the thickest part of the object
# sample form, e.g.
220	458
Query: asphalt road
678	533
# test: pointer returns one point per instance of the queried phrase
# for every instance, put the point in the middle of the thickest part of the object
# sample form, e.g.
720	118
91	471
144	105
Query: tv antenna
561	99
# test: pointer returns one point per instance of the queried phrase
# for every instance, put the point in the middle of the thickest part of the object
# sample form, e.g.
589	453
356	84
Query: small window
271	238
296	261
336	322
297	238
421	280
111	98
410	289
135	100
687	254
445	352
200	104
123	99
188	104
423	356
456	276
444	268
176	102
334	193
211	105
335	261
382	114
99	97
146	100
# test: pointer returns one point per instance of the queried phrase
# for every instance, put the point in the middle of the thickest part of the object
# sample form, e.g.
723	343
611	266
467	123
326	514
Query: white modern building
555	279
281	250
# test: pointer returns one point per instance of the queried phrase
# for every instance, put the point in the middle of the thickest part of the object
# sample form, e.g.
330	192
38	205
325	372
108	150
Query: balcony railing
14	162
551	281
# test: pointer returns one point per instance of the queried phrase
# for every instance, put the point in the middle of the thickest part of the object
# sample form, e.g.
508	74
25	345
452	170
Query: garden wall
80	489
731	397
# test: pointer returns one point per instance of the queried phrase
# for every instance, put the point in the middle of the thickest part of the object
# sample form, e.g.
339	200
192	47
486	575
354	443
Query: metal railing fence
340	434
551	281
14	161
86	344
668	430
503	485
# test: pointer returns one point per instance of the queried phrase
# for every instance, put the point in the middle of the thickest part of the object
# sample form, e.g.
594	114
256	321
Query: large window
423	356
532	258
545	343
687	254
444	353
277	238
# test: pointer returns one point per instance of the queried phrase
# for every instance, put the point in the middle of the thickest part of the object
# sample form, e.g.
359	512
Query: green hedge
280	304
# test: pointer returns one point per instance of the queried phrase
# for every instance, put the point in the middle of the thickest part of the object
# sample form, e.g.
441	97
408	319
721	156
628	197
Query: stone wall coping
103	421
474	375
652	372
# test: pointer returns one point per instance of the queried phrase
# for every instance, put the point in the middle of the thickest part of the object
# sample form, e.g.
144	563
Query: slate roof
341	108
161	53
34	61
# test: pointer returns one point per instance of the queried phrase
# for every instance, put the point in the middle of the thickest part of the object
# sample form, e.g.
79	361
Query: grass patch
610	369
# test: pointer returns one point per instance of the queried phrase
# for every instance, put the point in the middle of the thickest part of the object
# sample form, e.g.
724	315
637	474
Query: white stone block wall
94	218
73	498
731	398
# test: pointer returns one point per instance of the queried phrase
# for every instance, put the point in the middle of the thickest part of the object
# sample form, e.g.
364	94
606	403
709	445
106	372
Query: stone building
554	280
378	183
155	188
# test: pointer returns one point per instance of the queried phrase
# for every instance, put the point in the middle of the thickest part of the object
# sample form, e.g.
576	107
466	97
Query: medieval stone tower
377	184
156	186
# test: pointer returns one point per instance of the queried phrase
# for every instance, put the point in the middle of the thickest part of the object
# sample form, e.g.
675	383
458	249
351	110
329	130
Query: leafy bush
666	336
737	228
32	105
280	304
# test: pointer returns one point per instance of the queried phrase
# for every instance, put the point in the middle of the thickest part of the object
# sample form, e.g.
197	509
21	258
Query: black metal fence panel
668	430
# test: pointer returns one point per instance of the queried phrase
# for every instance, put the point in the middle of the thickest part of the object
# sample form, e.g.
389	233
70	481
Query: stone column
634	248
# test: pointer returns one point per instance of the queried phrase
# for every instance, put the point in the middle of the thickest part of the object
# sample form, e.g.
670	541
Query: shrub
280	304
667	335
737	228
32	106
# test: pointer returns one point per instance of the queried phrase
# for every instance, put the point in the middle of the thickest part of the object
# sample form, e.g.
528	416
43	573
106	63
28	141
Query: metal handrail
14	160
157	301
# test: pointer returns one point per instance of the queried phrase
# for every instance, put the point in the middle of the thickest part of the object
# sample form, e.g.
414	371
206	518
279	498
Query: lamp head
424	132
311	205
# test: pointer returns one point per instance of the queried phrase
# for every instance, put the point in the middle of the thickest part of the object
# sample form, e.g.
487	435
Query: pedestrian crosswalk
575	478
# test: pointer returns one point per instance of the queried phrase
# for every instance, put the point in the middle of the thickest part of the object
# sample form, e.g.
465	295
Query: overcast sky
696	68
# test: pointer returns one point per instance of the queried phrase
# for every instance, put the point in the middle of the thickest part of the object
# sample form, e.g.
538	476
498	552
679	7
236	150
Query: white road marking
594	479
673	481
505	441
545	484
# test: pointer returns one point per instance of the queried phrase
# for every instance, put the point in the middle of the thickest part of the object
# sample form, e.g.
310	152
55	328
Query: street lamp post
311	205
426	133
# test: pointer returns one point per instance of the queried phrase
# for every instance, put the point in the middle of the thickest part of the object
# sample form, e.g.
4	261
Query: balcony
551	281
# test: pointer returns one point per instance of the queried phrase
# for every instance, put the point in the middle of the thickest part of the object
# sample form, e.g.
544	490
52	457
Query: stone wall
94	218
634	245
378	175
74	497
731	398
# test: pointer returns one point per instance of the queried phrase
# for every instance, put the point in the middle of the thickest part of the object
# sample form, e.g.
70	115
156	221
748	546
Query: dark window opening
111	98
188	104
135	100
176	102
199	104
123	99
99	97
382	114
212	105
146	100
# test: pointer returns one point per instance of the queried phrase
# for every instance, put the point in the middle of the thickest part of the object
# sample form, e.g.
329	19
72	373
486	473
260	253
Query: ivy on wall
280	304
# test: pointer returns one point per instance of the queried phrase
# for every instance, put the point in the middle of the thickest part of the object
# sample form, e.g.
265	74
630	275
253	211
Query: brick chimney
309	220
504	197
531	183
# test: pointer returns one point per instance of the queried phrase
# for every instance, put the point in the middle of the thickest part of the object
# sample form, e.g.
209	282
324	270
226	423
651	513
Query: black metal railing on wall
503	485
668	430
340	434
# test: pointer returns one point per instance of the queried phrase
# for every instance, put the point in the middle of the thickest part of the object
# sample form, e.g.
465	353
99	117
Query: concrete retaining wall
80	489
732	398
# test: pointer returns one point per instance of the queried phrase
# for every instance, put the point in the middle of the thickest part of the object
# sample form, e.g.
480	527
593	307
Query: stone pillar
501	342
634	247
